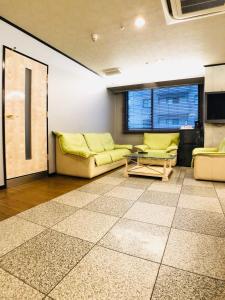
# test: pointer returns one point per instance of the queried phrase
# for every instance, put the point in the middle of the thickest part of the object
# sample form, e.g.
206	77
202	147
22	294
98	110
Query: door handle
9	116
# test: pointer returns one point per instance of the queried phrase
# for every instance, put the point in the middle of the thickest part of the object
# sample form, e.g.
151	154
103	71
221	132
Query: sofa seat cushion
73	143
102	158
94	142
107	141
118	154
161	140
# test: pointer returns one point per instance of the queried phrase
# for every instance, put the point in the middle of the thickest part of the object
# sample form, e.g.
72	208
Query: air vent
190	6
111	71
184	10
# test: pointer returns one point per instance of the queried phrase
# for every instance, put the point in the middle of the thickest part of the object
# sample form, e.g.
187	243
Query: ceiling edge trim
158	84
46	44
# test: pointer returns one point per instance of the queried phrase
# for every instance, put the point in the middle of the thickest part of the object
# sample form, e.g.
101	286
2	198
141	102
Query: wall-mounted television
215	107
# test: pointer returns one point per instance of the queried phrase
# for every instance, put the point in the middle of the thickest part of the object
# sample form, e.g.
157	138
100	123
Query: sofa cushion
73	143
107	141
118	154
94	142
160	141
102	158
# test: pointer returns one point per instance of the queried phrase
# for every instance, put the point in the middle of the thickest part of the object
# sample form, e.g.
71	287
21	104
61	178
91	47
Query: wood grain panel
16	163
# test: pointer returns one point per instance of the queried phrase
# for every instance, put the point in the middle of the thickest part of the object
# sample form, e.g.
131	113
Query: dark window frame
126	130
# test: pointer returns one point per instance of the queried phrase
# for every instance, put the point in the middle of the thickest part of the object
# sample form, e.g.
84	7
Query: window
162	108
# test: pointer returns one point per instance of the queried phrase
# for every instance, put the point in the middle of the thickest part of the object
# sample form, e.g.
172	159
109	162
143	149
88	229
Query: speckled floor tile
110	180
96	188
134	185
106	274
125	193
198	191
200	221
160	198
165	187
119	174
12	288
87	225
194	182
181	285
48	214
200	203
110	205
44	260
137	183
15	231
202	254
76	198
139	239
151	213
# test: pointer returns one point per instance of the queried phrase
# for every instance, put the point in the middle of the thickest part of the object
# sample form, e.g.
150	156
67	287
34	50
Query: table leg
126	168
165	176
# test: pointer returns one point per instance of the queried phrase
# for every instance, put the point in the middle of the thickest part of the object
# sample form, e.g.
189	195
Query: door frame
3	112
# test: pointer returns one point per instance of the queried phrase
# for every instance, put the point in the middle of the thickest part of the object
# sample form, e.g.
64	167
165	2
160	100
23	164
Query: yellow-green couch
88	154
160	143
209	163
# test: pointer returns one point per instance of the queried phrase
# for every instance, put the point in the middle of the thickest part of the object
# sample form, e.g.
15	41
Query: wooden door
25	115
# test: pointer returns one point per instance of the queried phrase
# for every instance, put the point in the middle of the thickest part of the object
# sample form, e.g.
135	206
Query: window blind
163	108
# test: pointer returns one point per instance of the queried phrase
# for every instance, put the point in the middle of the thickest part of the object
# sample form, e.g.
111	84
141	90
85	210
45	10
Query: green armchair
209	163
161	143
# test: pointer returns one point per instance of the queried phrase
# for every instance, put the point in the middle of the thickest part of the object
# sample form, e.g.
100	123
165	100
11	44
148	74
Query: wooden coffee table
140	164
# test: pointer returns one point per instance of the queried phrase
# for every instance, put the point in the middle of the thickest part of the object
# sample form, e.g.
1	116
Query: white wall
77	98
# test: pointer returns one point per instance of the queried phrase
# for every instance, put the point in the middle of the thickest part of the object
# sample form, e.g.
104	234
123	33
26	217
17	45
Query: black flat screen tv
215	107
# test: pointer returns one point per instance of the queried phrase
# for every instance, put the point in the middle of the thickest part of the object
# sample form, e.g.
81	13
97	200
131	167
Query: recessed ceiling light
139	22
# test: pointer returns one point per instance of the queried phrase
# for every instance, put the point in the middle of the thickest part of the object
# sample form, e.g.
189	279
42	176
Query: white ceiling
171	51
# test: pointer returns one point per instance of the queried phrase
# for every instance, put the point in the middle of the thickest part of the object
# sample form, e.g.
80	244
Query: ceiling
154	53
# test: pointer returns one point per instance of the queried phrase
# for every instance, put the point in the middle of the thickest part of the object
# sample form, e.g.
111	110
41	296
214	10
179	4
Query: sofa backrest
161	141
99	142
70	141
107	141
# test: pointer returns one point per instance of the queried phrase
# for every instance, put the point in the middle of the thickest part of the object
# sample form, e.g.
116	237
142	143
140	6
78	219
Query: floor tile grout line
160	264
95	245
191	272
80	260
1	267
46	228
223	211
22	280
2	256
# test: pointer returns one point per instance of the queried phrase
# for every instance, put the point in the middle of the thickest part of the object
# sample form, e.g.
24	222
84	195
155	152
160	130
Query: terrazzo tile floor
119	238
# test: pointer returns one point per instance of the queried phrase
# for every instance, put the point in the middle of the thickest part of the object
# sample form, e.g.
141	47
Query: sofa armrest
172	148
141	147
78	151
129	147
197	151
210	154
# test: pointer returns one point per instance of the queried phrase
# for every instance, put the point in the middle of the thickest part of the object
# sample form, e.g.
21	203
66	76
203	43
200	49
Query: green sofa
88	154
209	163
160	143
